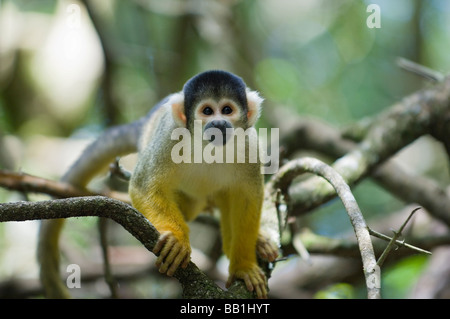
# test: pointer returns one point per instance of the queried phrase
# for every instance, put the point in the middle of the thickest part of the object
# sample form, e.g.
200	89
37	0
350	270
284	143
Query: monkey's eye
208	111
227	110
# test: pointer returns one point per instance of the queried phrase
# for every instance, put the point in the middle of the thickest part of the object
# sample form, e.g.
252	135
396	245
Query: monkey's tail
116	141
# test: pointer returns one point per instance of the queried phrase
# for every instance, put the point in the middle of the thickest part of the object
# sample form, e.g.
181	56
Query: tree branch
27	183
314	135
391	131
134	222
288	172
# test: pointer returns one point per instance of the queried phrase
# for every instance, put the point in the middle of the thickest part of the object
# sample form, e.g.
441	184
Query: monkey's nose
219	127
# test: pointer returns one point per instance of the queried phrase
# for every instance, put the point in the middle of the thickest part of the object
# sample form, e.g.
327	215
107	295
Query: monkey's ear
176	102
254	101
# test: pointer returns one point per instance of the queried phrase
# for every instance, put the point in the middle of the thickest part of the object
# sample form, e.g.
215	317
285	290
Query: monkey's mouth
218	132
218	137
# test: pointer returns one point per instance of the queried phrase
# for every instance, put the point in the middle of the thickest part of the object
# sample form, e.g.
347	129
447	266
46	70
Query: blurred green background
63	74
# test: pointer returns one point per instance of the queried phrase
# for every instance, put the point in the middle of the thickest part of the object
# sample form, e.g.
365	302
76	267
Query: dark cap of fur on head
214	84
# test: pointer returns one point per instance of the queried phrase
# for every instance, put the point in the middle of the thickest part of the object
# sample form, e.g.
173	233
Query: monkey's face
220	102
219	118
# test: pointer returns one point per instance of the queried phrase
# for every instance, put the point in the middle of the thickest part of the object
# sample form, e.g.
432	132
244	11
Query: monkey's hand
172	253
254	280
266	248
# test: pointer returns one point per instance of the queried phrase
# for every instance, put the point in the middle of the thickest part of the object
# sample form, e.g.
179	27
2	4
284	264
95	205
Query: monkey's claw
266	249
254	280
172	253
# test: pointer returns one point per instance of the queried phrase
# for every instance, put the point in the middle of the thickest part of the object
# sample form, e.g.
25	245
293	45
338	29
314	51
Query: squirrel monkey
170	193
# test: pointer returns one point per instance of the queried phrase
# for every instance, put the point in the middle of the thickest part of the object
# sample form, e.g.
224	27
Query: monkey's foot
172	253
254	280
266	249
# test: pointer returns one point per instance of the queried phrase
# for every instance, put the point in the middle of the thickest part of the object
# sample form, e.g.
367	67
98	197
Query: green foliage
278	79
398	280
331	219
43	6
319	60
336	291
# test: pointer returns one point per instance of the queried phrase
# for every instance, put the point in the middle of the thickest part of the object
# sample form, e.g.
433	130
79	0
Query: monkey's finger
174	260
272	253
159	261
267	251
248	282
172	253
259	282
263	277
161	242
169	242
260	287
179	259
264	252
186	261
162	257
170	261
230	280
273	256
168	253
261	291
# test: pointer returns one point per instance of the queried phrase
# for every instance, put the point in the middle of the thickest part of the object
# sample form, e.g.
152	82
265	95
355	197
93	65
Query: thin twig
394	239
420	70
109	277
301	249
280	205
376	234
